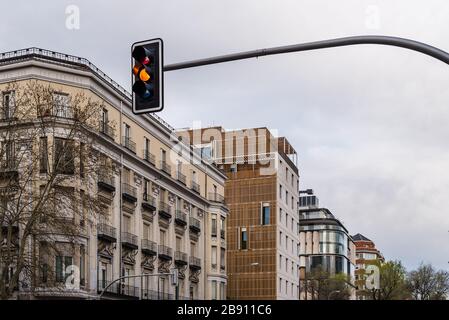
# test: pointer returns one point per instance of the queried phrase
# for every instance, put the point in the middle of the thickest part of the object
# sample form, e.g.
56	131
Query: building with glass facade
324	243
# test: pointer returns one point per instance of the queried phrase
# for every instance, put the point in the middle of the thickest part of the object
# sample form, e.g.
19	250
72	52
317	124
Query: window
126	223
62	262
214	226
286	220
244	239
127	130
147	148
64	156
178	244
280	215
43	155
82	158
8	105
222	227
146	231
280	191
214	257
293	224
214	290
293	180
286	174
222	259
82	265
162	237
280	238
286	197
146	189
265	214
222	291
61	106
293	203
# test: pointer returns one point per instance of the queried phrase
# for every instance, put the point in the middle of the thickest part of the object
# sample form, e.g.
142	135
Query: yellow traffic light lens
143	75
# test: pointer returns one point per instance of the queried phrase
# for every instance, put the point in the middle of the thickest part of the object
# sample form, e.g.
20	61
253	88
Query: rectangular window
43	155
214	290
146	231
8	105
244	239
61	106
214	226
286	197
82	265
214	257
222	258
265	214
162	237
62	262
64	156
280	192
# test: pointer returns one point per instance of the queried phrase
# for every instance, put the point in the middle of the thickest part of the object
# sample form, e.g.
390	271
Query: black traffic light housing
147	76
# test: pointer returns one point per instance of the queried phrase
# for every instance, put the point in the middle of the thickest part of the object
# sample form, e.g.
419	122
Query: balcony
106	232
129	144
129	192
102	284
129	291
107	130
195	263
195	187
148	202
213	232
181	218
165	167
165	253
194	224
129	240
181	258
106	181
9	167
149	247
149	157
164	210
156	295
215	197
181	178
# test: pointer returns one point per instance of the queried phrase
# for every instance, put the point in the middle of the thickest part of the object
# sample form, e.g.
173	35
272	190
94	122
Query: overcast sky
370	123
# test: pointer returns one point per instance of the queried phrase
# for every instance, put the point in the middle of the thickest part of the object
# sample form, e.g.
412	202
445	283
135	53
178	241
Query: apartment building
368	259
262	195
324	244
160	206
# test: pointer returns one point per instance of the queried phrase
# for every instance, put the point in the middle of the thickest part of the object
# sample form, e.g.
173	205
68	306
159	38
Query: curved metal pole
339	42
133	276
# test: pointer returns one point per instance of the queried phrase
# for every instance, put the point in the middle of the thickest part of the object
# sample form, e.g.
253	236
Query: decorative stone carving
164	266
106	249
129	256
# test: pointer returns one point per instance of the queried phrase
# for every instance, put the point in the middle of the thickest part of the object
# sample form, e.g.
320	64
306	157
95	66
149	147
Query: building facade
324	243
262	195
159	202
368	260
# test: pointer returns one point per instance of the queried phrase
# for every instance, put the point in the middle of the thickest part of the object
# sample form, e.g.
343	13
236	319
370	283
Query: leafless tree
47	199
425	283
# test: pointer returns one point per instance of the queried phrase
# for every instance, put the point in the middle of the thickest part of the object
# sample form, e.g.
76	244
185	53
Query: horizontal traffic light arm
339	42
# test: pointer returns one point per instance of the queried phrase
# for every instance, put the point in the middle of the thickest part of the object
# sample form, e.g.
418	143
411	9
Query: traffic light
147	77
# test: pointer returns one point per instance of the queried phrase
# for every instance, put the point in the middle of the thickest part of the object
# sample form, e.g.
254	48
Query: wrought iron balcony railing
194	224
194	262
149	247
107	129
215	197
195	187
129	144
181	177
165	210
106	232
181	258
147	156
106	180
129	240
148	202
129	192
165	167
181	217
165	253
